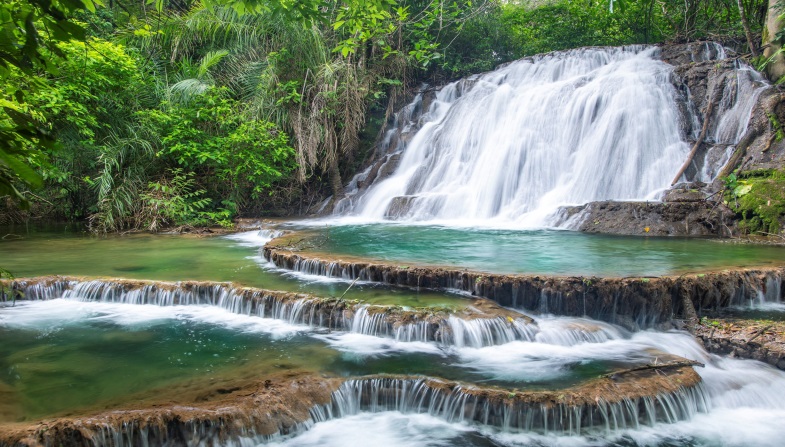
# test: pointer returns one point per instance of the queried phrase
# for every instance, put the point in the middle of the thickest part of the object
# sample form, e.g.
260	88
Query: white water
255	238
565	128
743	399
740	405
58	314
363	319
511	146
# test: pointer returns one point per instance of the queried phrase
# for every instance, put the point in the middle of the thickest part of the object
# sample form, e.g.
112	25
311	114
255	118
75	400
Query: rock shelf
634	302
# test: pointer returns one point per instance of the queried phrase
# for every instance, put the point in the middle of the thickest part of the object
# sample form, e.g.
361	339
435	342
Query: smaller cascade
483	324
481	332
387	153
649	400
466	330
767	292
257	238
633	303
739	88
571	332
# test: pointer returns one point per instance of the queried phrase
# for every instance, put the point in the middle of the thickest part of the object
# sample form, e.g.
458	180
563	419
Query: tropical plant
30	31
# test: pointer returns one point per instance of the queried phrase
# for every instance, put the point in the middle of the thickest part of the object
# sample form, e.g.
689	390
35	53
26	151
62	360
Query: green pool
28	252
549	252
66	356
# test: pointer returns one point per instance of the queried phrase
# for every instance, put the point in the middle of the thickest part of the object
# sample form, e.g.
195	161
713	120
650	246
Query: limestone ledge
632	302
282	405
332	313
744	339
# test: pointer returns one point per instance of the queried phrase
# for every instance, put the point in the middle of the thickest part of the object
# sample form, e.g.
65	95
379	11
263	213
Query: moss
779	132
759	199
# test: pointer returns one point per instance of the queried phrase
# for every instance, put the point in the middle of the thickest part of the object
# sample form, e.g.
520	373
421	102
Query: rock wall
668	218
744	339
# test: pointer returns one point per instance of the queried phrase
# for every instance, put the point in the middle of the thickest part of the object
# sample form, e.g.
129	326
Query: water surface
67	356
34	251
548	252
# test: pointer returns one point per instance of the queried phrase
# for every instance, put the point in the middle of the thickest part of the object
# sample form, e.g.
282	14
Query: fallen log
713	98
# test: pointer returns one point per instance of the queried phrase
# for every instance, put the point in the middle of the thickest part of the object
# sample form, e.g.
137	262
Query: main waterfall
512	145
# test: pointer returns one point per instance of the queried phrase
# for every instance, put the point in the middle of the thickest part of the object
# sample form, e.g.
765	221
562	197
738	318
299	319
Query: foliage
482	42
241	102
124	164
172	200
29	36
95	94
759	198
210	136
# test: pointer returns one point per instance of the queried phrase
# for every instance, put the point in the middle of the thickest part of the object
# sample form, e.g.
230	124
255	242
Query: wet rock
687	215
253	411
686	192
687	53
631	302
745	339
399	207
764	150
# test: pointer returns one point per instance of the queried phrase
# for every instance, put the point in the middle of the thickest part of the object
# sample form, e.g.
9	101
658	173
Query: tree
29	34
772	40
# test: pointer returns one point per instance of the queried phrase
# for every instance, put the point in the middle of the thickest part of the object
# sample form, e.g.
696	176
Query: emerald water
66	356
502	149
549	252
28	252
63	356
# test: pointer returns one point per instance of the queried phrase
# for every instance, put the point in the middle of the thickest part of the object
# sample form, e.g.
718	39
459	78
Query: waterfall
565	128
455	403
740	93
395	322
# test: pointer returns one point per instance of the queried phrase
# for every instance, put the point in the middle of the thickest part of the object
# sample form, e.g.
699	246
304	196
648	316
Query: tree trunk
335	178
776	68
746	25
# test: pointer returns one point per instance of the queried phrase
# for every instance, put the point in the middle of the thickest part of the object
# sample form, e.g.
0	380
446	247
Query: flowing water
550	252
65	355
31	252
511	146
92	349
500	150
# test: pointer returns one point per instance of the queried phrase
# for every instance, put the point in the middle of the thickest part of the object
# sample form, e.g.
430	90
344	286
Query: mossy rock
759	199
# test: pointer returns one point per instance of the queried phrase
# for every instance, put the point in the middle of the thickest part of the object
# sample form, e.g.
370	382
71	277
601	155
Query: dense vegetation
142	114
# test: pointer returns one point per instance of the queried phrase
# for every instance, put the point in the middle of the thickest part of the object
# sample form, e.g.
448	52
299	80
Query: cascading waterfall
730	387
739	95
487	332
456	404
564	332
566	128
364	319
767	297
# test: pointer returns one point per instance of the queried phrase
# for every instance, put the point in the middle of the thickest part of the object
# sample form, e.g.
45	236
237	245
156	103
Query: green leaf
22	170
